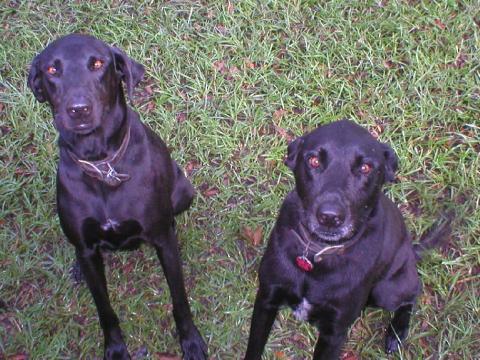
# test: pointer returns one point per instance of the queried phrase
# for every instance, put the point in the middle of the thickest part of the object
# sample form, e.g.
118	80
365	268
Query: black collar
103	169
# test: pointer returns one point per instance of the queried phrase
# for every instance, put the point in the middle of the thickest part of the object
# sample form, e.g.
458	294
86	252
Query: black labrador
116	183
339	244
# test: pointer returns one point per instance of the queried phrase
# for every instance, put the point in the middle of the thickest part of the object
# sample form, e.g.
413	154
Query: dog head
339	170
80	77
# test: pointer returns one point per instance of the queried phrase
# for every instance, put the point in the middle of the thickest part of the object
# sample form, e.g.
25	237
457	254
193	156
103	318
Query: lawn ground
227	85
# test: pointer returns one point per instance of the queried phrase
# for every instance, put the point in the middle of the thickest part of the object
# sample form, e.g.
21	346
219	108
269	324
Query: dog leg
262	320
329	347
192	344
93	269
398	329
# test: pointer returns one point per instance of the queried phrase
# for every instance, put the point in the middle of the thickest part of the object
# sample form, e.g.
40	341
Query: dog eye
366	169
52	70
97	64
314	162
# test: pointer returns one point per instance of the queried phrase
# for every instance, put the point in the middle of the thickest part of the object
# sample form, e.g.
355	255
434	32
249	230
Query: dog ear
131	71
35	81
292	153
391	162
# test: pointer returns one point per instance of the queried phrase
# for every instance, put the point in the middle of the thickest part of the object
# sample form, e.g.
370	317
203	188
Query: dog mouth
336	236
83	128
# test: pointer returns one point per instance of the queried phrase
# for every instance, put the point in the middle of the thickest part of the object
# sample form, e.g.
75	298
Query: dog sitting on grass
339	244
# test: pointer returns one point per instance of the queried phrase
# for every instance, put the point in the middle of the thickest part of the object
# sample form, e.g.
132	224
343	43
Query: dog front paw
193	347
393	340
116	352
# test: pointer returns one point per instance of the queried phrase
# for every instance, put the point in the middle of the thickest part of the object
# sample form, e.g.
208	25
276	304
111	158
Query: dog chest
302	310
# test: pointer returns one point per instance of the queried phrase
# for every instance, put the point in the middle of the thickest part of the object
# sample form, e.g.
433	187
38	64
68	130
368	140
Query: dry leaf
220	66
253	236
440	24
166	356
283	133
249	64
350	355
211	192
18	357
191	166
279	113
389	64
230	8
181	116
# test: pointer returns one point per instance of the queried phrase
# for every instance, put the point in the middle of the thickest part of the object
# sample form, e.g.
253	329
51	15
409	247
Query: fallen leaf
253	236
151	106
221	29
284	133
18	357
230	8
440	24
234	70
249	64
389	64
476	20
279	113
350	355
4	130
149	90
280	355
220	66
191	166
211	191
166	356
460	61
181	116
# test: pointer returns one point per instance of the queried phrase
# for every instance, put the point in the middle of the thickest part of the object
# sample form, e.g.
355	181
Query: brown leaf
279	113
350	355
440	24
249	64
4	129
476	20
181	116
209	192
151	106
221	29
18	357
166	356
252	236
460	61
220	66
280	355
230	8
234	70
191	166
389	64
284	133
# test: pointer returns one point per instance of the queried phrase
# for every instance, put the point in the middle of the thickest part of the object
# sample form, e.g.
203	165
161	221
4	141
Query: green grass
227	83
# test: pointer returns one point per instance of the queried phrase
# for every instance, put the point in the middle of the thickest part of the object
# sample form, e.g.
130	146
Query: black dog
116	183
339	243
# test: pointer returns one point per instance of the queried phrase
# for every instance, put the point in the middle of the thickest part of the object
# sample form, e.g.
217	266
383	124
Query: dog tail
437	236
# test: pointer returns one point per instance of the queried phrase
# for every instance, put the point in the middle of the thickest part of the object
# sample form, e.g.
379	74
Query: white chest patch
302	311
110	224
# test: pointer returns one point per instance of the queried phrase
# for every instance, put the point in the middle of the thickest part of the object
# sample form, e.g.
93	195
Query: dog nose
330	215
79	110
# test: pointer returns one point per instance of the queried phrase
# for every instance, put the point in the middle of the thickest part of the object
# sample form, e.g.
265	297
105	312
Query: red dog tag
304	264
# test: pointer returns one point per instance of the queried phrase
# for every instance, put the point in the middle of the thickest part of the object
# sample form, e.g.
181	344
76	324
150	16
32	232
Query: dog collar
320	250
103	170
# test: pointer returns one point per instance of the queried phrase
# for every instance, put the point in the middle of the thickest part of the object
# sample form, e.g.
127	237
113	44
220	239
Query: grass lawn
227	85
